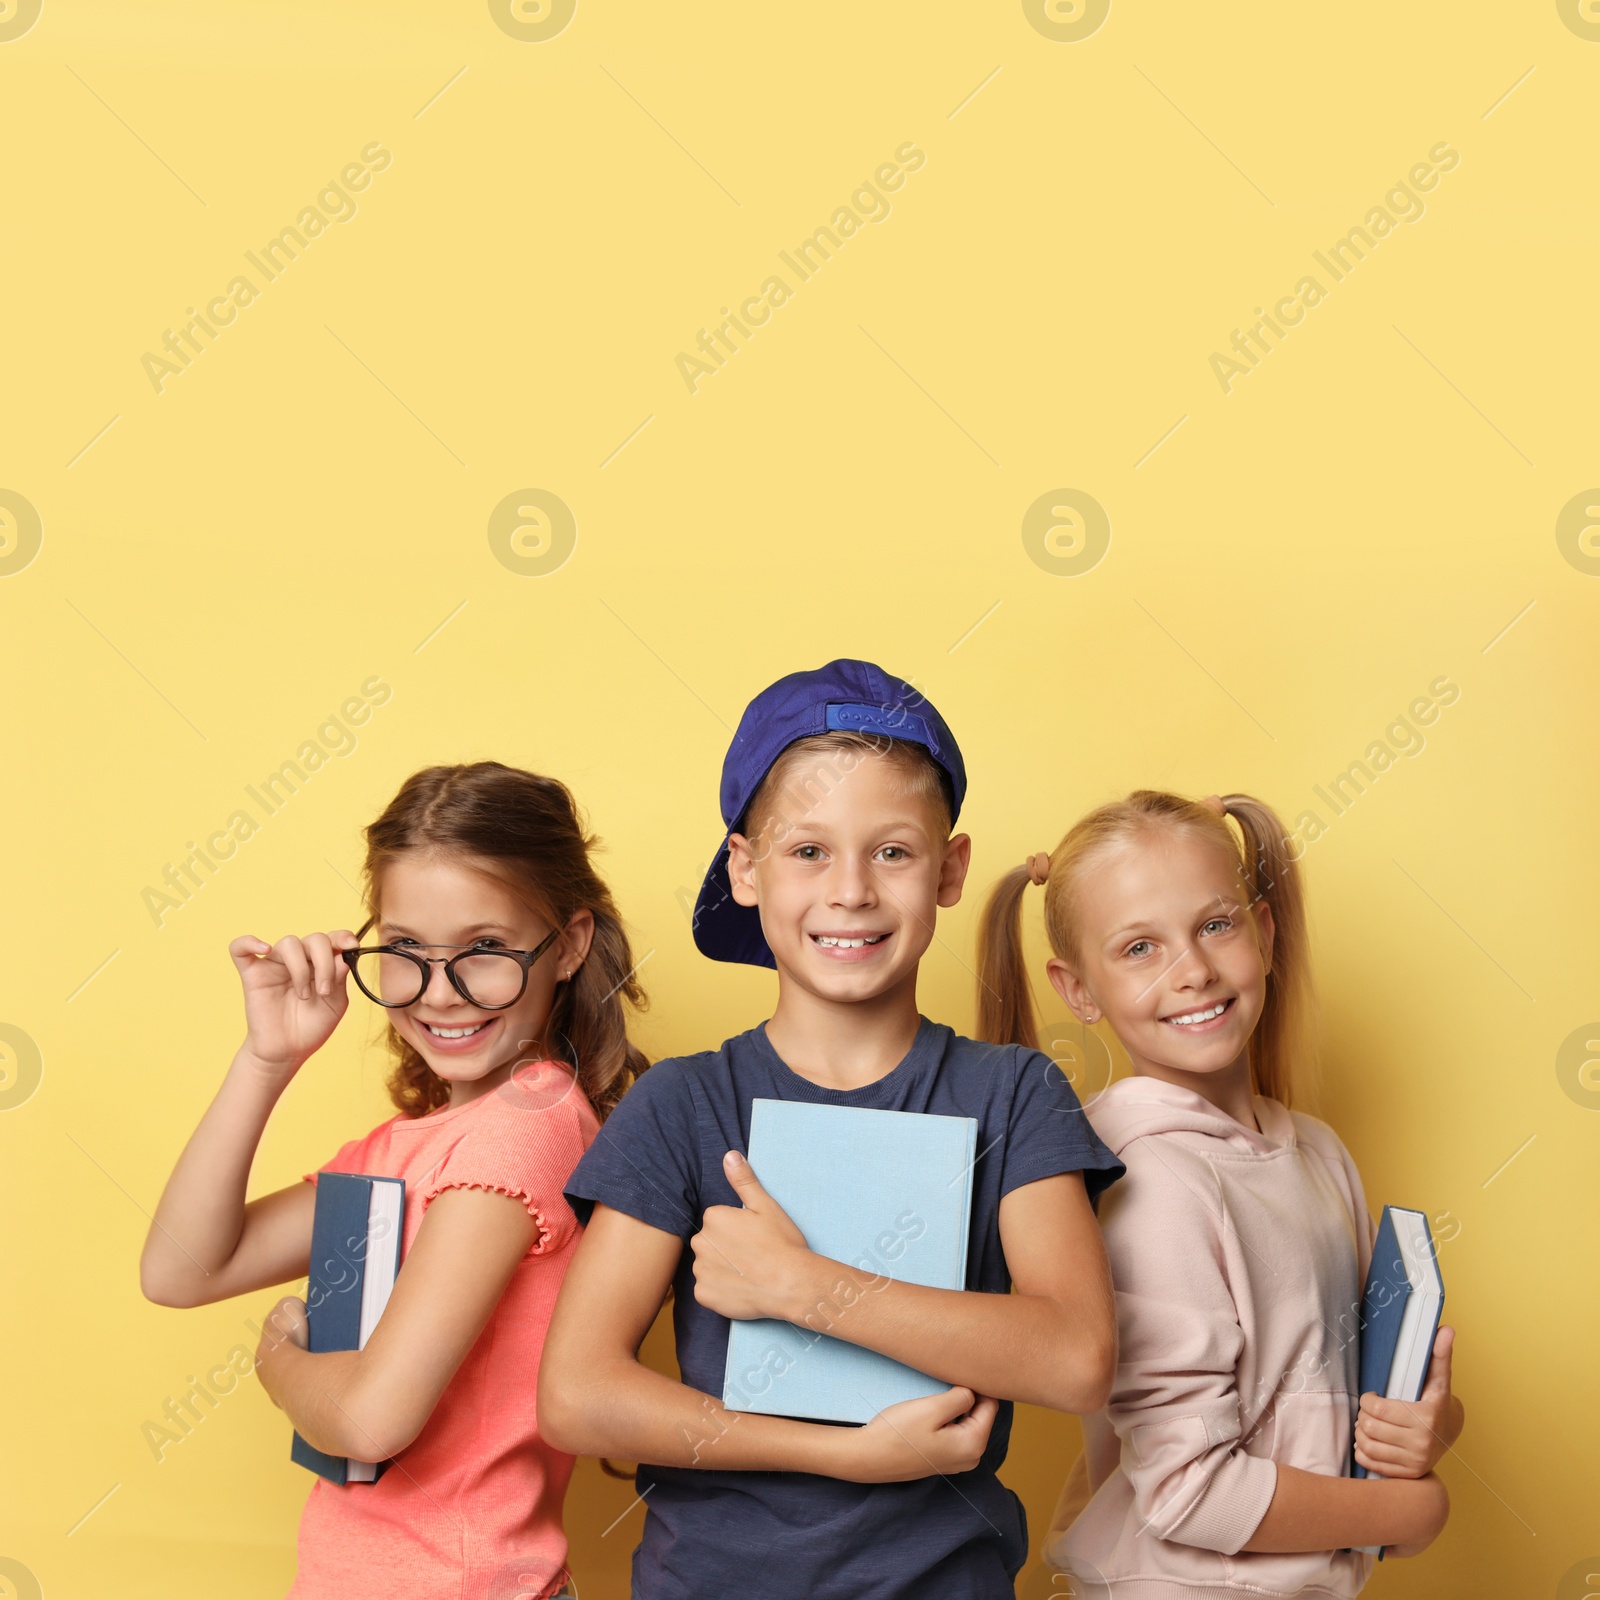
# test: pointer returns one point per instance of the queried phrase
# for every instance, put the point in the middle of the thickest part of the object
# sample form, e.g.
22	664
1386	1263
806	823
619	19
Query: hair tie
1213	802
1038	866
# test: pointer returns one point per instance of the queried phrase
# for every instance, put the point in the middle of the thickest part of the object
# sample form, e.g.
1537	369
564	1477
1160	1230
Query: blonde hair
1267	871
812	767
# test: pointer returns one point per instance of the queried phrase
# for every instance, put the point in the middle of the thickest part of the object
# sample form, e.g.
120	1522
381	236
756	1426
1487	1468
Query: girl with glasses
505	976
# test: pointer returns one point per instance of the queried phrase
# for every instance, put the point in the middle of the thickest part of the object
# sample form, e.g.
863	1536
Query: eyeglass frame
525	959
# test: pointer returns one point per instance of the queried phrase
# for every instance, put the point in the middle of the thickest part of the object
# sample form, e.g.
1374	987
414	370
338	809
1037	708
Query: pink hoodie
1238	1259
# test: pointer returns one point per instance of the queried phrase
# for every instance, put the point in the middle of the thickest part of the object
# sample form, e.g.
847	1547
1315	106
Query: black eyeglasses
396	976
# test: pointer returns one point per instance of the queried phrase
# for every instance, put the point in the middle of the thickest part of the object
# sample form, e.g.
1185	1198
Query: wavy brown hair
526	831
1266	865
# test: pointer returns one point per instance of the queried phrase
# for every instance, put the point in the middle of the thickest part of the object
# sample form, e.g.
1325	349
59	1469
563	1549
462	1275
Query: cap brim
724	929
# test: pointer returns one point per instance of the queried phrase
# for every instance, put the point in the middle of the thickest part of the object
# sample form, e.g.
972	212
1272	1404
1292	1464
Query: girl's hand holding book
1408	1438
287	1324
294	995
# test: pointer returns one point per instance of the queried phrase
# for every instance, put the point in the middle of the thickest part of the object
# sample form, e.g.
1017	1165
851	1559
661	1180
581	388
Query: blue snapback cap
842	697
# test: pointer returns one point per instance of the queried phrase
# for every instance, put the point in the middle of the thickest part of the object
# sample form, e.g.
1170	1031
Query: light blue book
887	1192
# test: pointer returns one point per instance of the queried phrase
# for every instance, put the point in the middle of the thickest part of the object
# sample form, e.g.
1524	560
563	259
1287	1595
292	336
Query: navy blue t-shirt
731	1535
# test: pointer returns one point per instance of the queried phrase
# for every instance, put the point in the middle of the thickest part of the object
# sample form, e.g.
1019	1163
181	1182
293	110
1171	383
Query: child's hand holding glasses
294	995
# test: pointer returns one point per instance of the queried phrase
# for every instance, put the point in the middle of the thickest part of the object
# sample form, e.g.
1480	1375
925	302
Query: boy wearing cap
839	792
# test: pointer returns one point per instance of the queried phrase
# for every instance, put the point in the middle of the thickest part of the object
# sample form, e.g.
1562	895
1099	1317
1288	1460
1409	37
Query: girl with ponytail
505	977
1239	1239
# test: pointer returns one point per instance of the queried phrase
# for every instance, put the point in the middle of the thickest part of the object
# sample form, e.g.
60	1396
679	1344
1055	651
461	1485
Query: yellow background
308	504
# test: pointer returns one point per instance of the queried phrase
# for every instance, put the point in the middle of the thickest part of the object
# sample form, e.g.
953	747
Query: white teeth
454	1033
828	941
1200	1016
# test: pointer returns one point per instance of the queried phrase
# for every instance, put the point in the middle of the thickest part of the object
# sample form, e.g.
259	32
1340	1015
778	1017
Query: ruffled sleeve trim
512	1191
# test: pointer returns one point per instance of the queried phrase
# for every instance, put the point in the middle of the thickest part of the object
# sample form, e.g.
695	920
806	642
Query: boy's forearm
1312	1512
628	1412
1013	1346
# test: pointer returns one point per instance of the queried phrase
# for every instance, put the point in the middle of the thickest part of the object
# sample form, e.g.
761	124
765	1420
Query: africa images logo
21	532
16	17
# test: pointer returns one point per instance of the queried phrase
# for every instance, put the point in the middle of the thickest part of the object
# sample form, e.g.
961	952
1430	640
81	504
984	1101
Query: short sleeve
348	1158
1050	1132
510	1149
644	1161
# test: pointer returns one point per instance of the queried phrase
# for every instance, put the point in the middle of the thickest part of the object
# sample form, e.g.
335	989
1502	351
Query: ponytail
1271	873
1006	1013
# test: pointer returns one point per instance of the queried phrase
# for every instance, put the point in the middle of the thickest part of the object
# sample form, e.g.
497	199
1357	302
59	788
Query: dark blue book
355	1257
1400	1310
887	1192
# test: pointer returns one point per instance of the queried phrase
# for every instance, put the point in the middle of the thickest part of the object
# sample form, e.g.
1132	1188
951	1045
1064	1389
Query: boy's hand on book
294	995
1407	1439
941	1434
750	1260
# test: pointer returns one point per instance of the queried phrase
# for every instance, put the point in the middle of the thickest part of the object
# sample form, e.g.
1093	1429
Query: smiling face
443	902
848	872
1170	952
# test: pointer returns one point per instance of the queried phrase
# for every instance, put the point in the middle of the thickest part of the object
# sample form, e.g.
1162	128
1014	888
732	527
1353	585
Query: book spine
965	1231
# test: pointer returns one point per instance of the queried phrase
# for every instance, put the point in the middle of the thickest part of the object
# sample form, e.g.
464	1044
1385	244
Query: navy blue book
888	1192
1400	1310
355	1257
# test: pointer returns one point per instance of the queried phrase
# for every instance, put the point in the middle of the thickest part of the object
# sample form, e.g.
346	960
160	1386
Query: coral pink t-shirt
472	1508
